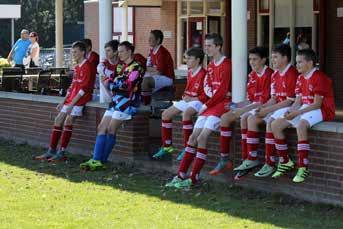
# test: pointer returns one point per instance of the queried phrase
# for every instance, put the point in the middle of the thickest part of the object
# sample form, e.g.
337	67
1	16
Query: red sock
303	150
55	136
270	149
282	150
186	161
225	140
198	164
187	130
66	135
167	127
244	143
253	141
146	96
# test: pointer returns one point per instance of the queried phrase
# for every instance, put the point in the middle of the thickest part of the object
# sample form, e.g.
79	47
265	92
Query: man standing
19	49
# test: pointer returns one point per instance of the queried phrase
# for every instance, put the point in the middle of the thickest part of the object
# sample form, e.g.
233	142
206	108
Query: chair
44	78
162	99
12	79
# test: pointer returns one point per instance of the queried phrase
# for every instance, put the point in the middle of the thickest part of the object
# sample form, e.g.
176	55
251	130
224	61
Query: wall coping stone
55	100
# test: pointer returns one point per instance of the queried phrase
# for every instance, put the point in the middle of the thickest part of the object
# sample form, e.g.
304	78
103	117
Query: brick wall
91	18
325	184
146	19
252	24
31	122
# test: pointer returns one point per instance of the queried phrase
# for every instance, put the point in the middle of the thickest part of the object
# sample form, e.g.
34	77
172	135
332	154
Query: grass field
40	195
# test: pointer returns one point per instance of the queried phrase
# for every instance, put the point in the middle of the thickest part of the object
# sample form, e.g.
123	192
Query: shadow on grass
260	207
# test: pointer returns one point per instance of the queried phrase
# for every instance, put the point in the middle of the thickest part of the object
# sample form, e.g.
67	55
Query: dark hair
260	51
283	50
80	45
113	44
128	46
34	34
197	53
217	39
158	34
88	42
309	55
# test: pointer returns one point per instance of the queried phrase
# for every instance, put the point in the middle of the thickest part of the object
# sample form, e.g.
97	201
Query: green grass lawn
40	195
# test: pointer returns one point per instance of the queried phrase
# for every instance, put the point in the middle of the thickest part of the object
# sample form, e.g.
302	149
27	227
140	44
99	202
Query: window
118	23
195	19
291	22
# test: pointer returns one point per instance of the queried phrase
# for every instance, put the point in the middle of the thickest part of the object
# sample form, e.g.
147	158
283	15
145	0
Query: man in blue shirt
19	49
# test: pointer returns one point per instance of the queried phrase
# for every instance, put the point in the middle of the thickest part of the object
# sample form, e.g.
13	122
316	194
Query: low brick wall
325	183
29	118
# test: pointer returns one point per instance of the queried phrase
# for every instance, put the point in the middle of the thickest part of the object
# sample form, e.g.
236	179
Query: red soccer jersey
163	61
258	87
317	83
140	59
107	69
195	84
83	79
93	59
217	84
283	84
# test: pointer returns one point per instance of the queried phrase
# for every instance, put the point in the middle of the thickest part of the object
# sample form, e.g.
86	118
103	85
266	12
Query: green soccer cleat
164	151
180	155
301	175
92	165
184	184
283	168
222	166
172	183
265	171
240	174
45	156
247	164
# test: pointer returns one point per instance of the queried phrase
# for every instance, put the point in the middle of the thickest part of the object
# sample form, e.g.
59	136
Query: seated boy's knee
303	125
188	113
202	138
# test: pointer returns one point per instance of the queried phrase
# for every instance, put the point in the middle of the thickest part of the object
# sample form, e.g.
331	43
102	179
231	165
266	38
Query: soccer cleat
247	164
283	168
222	166
240	174
180	155
184	184
45	156
59	156
164	151
92	165
175	180
301	175
265	171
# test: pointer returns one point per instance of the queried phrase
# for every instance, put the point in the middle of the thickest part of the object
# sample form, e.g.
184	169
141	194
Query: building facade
301	23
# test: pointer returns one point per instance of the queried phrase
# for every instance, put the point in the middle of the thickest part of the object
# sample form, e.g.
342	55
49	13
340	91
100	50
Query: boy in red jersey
258	93
192	100
107	66
314	103
282	95
217	86
79	93
160	67
91	56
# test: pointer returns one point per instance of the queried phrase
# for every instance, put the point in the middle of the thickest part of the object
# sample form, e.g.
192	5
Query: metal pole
59	32
12	31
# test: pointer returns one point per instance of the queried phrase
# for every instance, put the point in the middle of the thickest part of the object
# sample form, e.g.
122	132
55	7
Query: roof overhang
143	3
